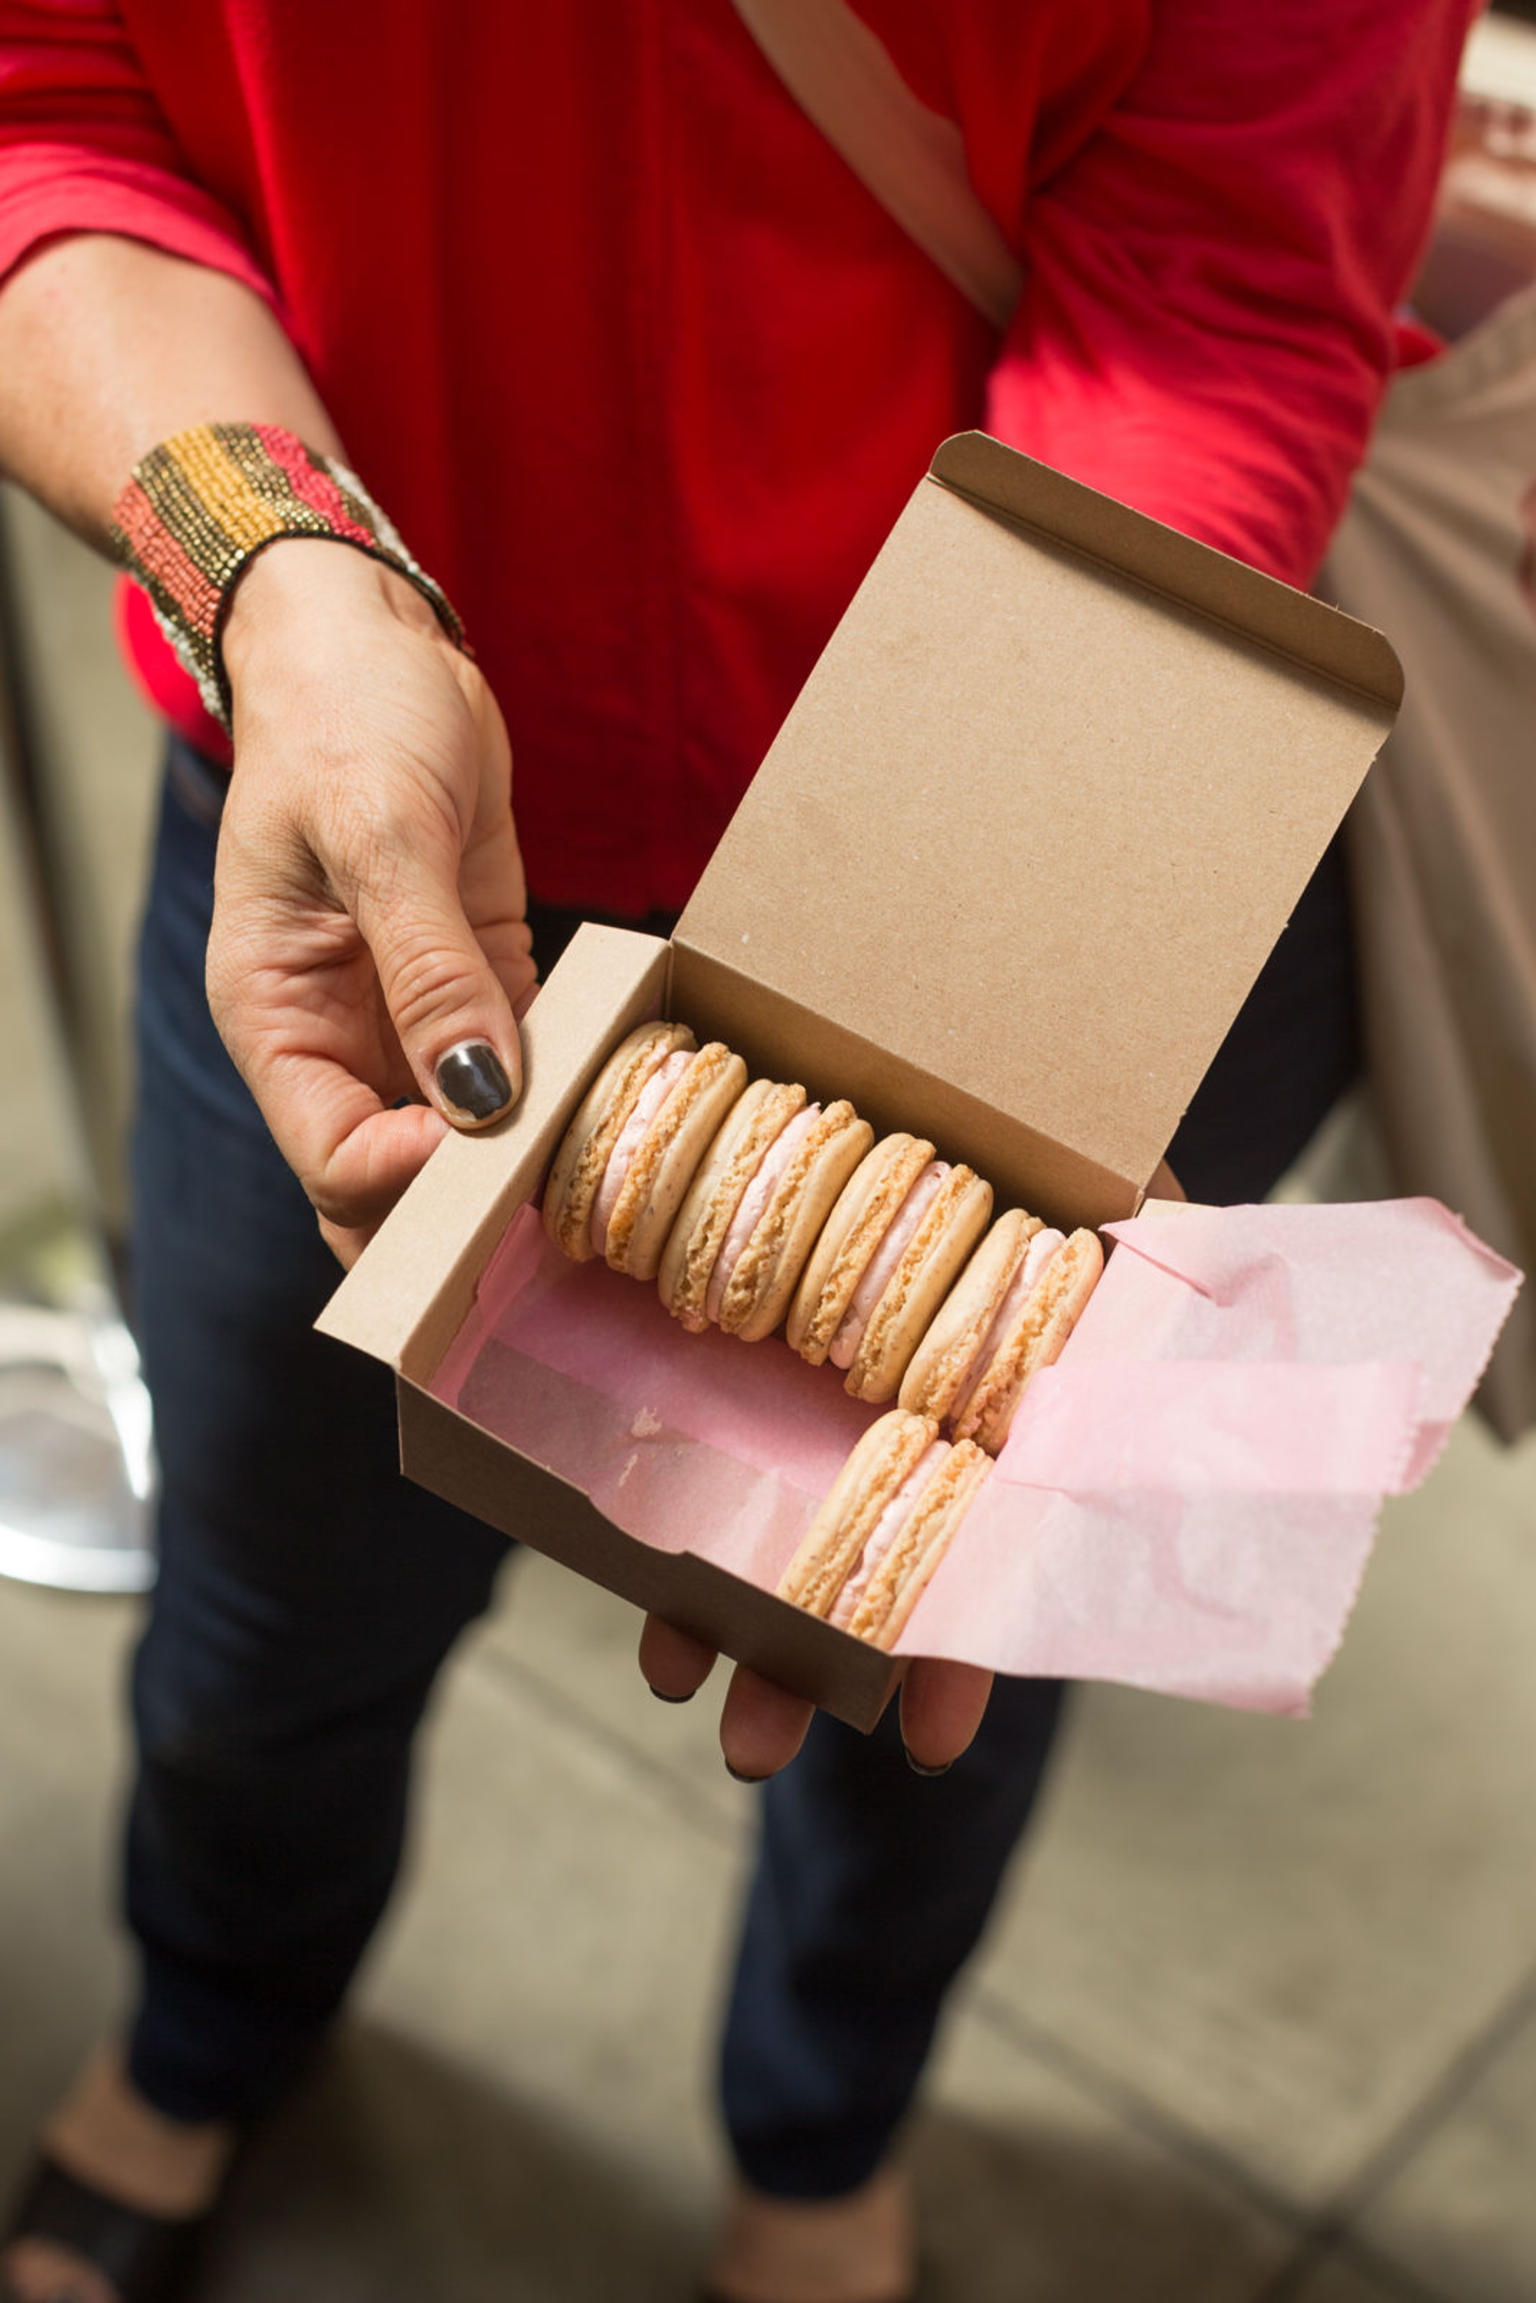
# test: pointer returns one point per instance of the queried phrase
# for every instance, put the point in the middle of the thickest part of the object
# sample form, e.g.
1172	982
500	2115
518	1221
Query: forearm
108	346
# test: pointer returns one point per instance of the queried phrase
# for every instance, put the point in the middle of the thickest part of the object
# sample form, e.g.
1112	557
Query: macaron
865	1210
945	1362
693	1246
884	1525
1010	1315
587	1145
894	1253
752	1214
676	1116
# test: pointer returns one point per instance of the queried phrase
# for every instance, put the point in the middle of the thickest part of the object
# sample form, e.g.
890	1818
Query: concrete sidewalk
1258	2020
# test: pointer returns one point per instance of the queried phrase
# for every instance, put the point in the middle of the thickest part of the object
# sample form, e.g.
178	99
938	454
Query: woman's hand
762	1727
369	942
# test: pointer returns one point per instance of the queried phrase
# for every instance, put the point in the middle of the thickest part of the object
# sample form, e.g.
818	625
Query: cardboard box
1004	878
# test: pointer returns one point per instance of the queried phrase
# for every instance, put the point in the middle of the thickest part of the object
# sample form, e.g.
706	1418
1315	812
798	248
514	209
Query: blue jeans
308	1596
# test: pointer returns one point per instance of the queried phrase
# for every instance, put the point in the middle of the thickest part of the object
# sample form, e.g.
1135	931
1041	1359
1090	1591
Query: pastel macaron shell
883	1526
766	1273
1011	1323
782	1159
954	1221
903	1228
846	1517
1037	1339
920	1543
644	1115
755	1121
947	1353
886	1535
582	1159
849	1240
667	1157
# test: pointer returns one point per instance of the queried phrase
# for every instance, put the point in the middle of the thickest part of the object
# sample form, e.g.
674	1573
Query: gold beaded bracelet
202	504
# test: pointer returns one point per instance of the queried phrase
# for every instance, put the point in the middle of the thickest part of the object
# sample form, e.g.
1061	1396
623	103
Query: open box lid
1045	804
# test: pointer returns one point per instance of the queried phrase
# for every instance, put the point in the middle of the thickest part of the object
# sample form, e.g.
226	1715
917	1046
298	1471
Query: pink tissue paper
1186	1501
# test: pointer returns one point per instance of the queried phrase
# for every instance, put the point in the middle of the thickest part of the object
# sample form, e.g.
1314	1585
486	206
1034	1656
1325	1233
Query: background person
643	375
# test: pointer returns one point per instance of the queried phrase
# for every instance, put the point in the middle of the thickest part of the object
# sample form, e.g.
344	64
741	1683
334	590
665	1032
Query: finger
447	1002
942	1705
353	1154
673	1664
508	945
494	896
761	1726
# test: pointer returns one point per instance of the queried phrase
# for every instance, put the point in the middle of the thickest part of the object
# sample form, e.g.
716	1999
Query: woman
643	374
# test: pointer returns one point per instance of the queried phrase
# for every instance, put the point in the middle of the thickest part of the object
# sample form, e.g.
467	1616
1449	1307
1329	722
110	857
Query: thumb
449	1010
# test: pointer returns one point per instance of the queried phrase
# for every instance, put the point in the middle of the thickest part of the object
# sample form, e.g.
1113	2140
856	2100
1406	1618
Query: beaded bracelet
202	504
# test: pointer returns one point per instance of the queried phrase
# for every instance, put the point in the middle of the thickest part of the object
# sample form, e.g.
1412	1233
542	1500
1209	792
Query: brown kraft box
1004	878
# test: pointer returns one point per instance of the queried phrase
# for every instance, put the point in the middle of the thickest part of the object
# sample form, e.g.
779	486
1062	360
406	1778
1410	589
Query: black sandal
147	2258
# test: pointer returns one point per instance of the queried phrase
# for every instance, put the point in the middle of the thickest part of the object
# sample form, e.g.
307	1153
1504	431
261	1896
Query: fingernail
918	1768
472	1081
737	1777
662	1696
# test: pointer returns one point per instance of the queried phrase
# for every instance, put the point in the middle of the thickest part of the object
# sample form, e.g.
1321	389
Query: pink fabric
1188	1498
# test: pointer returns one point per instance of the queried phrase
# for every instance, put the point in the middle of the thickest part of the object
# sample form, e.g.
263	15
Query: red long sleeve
83	145
1206	327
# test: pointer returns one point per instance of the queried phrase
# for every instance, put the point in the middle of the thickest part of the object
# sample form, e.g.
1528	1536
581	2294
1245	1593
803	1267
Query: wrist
299	584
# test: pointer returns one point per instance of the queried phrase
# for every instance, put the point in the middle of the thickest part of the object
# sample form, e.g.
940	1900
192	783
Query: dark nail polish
662	1696
472	1081
737	1777
918	1768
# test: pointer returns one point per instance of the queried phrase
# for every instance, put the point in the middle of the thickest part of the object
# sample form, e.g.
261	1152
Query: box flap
1046	802
405	1299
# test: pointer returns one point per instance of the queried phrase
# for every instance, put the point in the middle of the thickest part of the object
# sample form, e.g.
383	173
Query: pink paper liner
1187	1500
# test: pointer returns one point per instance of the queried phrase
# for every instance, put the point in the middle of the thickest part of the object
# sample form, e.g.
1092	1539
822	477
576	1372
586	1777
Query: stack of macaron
748	1204
753	1208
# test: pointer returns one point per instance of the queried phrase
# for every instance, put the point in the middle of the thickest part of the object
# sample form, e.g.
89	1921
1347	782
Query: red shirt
644	374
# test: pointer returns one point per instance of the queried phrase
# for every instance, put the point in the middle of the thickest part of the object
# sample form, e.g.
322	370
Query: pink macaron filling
1021	1287
885	1532
647	1106
750	1206
880	1270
